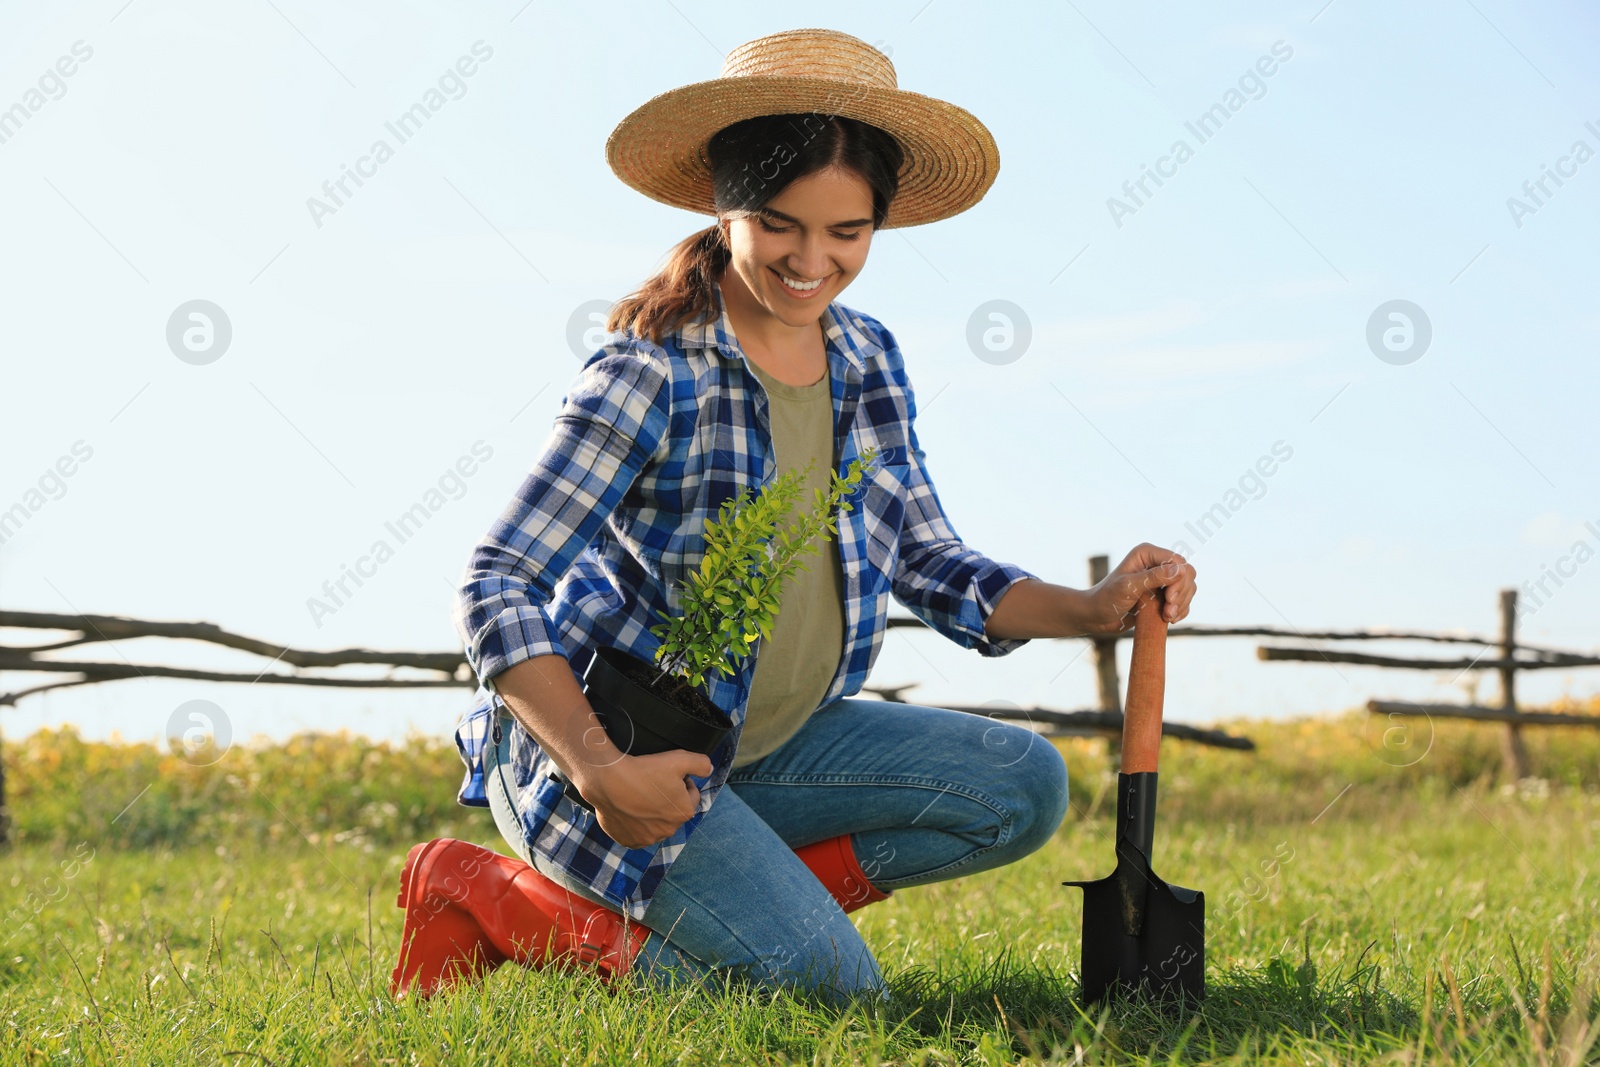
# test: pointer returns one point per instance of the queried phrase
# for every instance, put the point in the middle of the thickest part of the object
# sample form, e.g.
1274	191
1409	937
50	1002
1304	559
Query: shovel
1140	931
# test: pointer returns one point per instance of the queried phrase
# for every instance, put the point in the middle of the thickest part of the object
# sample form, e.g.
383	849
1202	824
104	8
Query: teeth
804	287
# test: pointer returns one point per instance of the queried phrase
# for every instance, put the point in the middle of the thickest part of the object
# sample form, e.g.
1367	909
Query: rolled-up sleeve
944	582
612	423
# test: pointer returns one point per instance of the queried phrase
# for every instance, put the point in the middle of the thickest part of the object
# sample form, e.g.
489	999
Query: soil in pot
681	695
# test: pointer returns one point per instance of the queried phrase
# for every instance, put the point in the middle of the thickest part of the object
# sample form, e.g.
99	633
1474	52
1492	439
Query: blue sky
1177	339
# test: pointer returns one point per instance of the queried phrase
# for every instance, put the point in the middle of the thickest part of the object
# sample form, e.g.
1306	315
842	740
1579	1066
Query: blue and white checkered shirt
649	442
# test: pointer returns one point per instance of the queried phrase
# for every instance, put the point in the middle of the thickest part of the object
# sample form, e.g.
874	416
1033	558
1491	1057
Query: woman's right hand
639	800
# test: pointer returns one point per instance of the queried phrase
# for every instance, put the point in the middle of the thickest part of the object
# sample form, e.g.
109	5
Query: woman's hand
1114	599
640	800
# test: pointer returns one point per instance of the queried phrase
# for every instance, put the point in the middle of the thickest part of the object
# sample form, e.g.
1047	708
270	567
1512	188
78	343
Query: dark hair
752	161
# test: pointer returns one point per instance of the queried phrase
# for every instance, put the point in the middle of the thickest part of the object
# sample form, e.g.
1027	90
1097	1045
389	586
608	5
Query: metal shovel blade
1140	930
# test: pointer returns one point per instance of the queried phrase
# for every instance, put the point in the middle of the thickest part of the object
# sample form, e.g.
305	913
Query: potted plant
726	605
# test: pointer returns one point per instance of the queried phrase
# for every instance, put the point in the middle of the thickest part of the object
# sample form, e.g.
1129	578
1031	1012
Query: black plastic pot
638	720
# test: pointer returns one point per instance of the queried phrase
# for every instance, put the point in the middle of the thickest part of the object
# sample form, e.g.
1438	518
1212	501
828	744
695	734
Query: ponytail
681	291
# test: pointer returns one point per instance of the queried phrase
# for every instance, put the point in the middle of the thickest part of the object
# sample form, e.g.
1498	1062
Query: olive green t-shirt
796	664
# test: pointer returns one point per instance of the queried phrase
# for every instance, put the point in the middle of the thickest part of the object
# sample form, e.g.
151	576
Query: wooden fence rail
1480	714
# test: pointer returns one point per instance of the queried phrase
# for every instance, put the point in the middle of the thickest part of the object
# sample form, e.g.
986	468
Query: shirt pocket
882	504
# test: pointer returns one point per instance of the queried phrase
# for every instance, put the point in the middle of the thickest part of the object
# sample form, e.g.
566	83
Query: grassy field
1372	895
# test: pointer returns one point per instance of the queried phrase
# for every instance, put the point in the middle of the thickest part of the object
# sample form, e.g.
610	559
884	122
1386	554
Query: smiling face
815	233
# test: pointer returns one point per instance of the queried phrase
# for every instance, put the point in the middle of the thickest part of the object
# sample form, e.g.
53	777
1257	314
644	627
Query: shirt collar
840	329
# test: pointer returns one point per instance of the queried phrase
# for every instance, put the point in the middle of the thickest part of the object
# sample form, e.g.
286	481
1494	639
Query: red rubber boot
834	863
526	917
441	944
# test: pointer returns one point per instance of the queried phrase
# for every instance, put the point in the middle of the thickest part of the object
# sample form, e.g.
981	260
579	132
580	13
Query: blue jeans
924	793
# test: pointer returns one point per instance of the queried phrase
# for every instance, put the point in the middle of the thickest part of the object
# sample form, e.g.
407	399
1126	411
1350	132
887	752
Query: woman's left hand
1114	599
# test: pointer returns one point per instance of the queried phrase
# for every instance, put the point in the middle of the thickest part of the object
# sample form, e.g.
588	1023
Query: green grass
1359	909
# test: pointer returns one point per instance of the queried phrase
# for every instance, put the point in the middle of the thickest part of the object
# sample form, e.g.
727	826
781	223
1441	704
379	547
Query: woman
734	364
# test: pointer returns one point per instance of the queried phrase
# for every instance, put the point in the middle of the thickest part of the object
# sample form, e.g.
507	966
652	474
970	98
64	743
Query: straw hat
951	158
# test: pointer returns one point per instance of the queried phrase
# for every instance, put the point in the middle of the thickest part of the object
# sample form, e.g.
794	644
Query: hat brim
951	158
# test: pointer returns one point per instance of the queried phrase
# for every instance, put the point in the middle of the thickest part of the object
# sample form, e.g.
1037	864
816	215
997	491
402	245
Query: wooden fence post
1105	663
1516	754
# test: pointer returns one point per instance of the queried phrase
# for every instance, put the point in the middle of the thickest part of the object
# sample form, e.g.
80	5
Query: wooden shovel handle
1147	676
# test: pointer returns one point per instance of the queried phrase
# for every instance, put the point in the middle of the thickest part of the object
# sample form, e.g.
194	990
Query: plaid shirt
649	442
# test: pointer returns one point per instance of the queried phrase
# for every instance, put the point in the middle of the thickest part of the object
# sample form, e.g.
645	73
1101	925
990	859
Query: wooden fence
434	670
451	670
1505	663
1509	657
